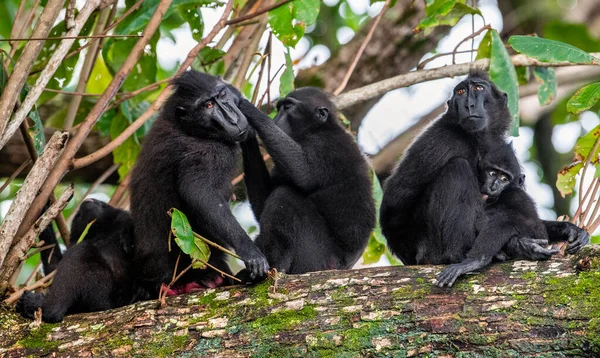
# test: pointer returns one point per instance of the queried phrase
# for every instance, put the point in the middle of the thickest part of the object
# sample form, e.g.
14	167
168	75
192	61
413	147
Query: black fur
188	161
93	275
431	203
315	208
432	208
509	214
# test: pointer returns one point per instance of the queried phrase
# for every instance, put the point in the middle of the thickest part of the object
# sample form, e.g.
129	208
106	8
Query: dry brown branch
376	89
29	190
19	251
112	145
256	13
60	38
15	174
86	69
38	284
267	53
46	75
470	37
25	62
26	25
361	49
120	191
64	164
112	26
250	52
422	64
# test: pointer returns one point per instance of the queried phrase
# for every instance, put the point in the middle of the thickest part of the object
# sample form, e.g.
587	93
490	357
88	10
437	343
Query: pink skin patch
193	286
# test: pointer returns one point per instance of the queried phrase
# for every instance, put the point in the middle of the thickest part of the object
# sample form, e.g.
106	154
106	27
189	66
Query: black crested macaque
432	208
510	214
93	275
187	161
315	208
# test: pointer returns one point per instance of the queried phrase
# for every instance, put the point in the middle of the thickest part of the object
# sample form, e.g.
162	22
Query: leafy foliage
290	20
547	77
547	50
584	98
445	12
187	241
583	149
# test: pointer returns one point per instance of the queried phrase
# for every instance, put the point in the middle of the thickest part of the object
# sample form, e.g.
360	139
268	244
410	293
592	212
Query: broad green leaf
503	74
85	231
546	50
201	250
210	60
126	153
65	71
289	21
193	16
182	230
286	84
100	77
584	98
584	146
485	46
445	12
576	34
36	131
137	21
8	9
377	242
583	149
523	75
373	251
565	181
116	51
595	239
547	77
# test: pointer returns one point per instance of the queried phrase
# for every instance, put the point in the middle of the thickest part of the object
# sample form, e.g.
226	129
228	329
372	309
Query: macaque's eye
461	91
492	173
478	88
222	94
504	178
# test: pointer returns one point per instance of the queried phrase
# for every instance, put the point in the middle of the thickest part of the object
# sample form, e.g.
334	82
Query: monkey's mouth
485	197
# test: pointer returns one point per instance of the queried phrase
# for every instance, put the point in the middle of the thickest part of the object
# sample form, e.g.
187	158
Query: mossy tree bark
516	309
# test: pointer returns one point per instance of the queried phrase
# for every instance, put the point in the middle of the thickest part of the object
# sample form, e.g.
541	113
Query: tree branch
361	49
117	141
64	164
376	89
25	62
19	251
29	190
47	72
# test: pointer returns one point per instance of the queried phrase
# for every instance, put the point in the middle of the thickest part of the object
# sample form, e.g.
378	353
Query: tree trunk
515	309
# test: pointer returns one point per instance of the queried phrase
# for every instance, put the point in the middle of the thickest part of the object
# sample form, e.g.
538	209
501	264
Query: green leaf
445	12
126	153
193	16
191	245
377	242
286	84
546	50
584	98
182	230
565	181
210	60
116	51
100	77
85	231
523	75
575	34
583	149
547	77
503	74
485	46
289	21
36	131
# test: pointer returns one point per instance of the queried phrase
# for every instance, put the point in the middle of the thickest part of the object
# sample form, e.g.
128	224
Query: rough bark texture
14	154
516	309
